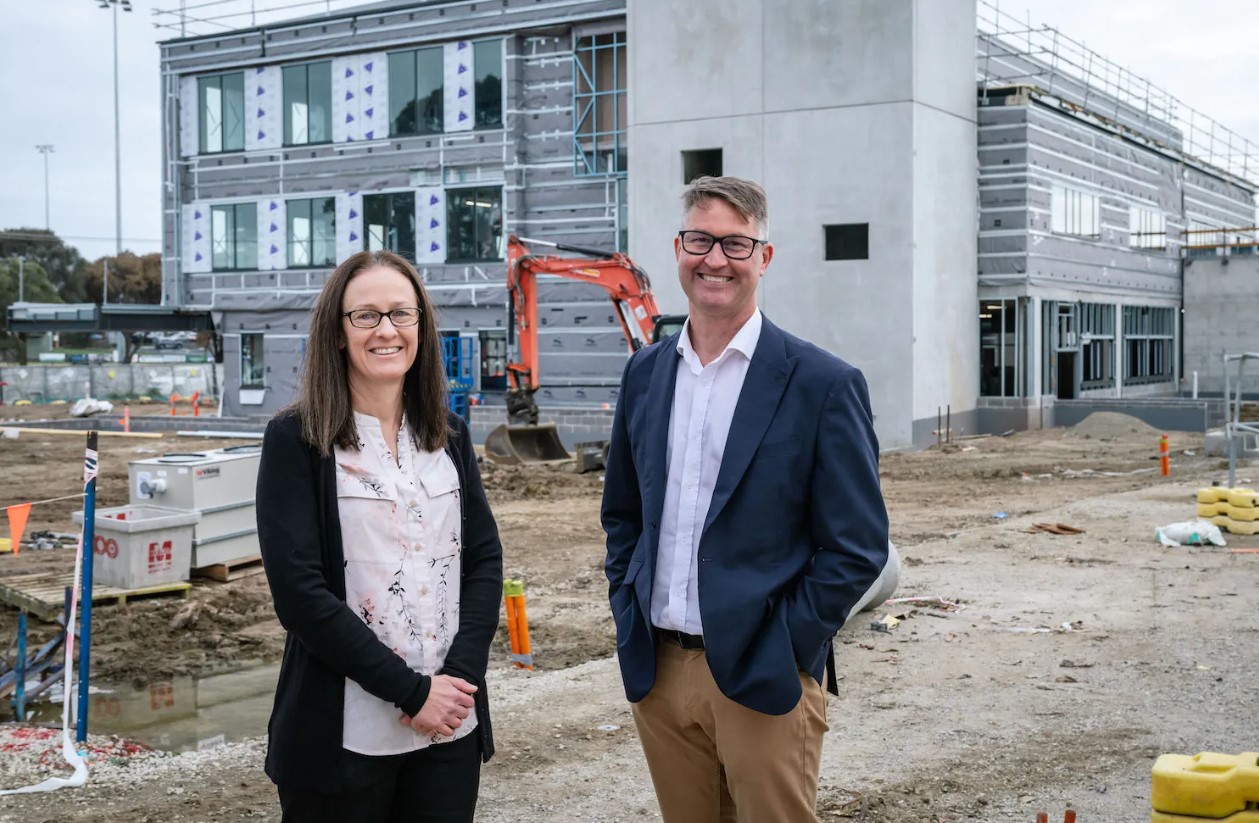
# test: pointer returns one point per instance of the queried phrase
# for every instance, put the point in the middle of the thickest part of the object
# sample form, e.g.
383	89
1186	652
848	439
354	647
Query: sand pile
1114	426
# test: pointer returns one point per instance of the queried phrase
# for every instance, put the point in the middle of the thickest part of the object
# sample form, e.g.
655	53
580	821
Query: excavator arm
627	287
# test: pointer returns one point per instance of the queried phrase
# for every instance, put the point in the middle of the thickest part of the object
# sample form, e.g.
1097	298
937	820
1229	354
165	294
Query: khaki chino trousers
713	760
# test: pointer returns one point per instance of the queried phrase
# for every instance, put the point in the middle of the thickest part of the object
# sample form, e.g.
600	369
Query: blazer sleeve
848	520
622	509
482	584
289	534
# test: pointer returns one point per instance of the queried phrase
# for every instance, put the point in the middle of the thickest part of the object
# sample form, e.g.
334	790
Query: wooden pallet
43	594
232	570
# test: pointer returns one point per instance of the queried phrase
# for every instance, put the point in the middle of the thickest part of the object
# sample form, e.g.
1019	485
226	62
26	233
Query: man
744	522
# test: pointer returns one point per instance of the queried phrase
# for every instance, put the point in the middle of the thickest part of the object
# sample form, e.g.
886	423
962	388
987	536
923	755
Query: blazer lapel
758	402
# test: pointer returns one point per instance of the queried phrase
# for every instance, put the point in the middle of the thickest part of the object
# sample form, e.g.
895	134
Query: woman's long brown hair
323	395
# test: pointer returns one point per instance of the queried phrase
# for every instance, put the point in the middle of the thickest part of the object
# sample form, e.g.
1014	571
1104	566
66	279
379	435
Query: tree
37	287
132	278
63	264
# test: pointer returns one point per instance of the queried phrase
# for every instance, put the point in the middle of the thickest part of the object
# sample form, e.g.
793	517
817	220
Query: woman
384	563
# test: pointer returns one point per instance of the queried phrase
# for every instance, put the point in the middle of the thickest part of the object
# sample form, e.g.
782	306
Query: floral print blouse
400	528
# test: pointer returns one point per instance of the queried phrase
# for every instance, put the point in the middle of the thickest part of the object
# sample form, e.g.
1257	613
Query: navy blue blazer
795	534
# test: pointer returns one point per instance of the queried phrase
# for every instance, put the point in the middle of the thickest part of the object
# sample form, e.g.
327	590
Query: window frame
832	245
202	135
233	228
393	198
439	91
1145	228
1070	209
287	111
500	101
452	196
260	366
330	240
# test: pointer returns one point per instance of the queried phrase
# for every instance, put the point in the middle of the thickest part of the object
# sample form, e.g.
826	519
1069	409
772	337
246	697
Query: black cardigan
300	535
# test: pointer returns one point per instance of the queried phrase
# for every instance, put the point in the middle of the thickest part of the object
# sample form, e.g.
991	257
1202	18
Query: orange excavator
523	439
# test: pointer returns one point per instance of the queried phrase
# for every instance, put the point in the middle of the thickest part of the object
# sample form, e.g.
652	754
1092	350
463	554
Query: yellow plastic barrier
1205	785
1245	498
1232	526
1240	817
1209	510
1211	494
1240	512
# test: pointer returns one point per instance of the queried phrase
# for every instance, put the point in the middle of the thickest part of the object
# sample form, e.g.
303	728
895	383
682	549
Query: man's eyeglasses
370	318
733	246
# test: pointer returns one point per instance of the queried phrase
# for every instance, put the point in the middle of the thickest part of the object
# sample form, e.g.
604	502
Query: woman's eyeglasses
370	318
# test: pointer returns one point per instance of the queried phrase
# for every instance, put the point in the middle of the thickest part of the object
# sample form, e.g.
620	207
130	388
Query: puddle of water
181	714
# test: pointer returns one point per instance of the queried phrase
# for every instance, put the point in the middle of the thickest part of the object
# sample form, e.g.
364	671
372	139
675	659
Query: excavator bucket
513	445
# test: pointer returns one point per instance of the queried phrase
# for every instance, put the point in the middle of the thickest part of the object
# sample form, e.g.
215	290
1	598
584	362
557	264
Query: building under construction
983	216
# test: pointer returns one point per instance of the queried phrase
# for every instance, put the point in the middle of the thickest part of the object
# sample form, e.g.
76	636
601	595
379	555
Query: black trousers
434	785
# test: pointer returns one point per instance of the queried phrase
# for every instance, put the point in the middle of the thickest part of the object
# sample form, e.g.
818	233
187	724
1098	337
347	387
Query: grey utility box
218	484
136	547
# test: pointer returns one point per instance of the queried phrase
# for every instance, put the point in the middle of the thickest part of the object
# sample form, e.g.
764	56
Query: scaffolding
197	18
1237	431
1013	52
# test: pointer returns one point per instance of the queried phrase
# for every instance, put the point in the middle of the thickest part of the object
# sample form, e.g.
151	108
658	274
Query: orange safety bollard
126	418
517	624
196	404
174	398
1069	817
1164	458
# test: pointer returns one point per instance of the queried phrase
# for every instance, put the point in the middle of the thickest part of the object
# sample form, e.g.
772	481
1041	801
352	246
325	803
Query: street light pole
45	150
126	6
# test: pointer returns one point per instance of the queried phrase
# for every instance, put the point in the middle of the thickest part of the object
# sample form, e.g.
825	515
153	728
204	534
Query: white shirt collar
744	340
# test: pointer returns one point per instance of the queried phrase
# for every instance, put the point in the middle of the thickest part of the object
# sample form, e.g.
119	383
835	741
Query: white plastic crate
140	546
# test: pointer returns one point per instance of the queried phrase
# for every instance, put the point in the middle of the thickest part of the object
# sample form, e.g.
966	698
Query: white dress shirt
402	536
704	398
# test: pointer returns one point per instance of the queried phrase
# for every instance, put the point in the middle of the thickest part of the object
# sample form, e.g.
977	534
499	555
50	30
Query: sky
56	87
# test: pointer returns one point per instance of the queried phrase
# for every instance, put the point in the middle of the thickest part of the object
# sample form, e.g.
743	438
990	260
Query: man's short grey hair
746	198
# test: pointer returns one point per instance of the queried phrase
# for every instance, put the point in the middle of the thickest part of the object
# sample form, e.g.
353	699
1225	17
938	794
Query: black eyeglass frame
720	241
381	315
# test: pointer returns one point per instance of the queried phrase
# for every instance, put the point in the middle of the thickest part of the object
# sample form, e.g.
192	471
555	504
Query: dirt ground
1068	665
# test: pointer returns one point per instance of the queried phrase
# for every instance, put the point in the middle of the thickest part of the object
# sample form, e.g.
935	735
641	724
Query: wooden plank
43	595
232	570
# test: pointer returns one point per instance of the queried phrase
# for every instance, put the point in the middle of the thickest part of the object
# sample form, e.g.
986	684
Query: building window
999	369
1149	335
848	241
474	224
1097	355
311	232
494	360
599	107
308	104
234	237
700	163
389	223
487	61
222	105
416	79
1076	213
252	367
1147	229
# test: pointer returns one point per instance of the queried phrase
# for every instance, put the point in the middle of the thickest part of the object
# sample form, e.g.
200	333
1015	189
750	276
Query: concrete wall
1221	315
108	381
861	114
